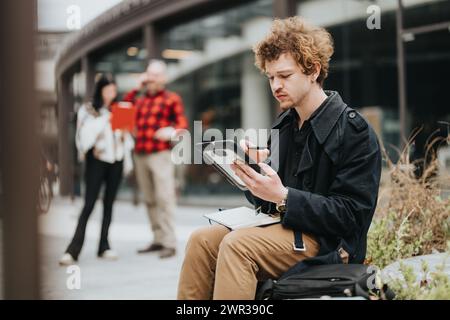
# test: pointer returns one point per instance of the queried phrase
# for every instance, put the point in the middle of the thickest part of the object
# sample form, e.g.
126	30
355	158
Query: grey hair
159	64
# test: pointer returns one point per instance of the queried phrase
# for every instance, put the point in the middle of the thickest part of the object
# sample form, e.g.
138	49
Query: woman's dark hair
102	81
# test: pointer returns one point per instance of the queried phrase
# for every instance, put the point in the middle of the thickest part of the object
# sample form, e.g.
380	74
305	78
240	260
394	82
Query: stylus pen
256	148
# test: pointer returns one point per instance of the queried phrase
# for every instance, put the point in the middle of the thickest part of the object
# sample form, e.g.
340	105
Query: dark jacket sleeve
352	195
265	206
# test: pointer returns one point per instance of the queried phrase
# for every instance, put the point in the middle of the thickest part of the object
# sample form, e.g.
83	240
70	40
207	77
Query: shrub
432	286
412	217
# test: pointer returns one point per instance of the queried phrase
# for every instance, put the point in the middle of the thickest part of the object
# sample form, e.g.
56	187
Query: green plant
411	218
388	241
432	286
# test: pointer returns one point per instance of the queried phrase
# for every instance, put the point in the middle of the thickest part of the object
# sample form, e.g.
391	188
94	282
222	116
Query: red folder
123	116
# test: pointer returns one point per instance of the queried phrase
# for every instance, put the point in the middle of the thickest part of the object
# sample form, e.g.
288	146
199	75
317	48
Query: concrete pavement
133	276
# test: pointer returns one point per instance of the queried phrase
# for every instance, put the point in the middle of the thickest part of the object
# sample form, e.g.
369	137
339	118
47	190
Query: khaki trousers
156	179
221	265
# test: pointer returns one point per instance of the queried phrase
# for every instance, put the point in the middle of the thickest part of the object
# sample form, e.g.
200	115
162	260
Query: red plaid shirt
154	112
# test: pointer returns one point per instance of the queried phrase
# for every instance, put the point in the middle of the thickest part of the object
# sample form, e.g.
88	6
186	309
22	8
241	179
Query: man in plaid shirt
159	117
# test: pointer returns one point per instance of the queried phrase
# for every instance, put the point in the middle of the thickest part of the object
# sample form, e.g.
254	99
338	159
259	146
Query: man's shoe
66	260
109	255
151	248
167	253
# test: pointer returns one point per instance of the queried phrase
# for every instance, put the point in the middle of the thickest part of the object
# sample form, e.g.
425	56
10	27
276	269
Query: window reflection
364	66
208	60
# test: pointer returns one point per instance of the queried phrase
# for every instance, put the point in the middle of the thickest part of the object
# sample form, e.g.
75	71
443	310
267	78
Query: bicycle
45	193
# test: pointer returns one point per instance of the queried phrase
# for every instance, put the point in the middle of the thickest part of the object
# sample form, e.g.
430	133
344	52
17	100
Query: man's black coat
338	180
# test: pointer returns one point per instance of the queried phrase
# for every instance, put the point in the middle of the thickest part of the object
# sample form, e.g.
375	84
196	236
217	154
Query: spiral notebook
242	217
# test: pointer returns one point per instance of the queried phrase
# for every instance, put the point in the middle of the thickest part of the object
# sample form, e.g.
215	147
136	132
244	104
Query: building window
211	66
363	68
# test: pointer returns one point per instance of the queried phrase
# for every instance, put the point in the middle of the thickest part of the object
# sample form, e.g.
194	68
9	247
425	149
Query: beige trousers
156	179
220	264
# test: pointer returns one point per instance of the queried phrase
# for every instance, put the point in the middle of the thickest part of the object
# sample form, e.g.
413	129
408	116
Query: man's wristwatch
281	206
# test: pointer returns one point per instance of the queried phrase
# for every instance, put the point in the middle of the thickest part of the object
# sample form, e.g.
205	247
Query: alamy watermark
374	19
73	281
73	21
185	142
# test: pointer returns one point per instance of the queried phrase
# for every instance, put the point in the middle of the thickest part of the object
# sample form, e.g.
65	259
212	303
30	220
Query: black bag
334	280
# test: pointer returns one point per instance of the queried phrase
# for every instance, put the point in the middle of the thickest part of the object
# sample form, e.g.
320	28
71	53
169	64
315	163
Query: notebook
123	115
242	217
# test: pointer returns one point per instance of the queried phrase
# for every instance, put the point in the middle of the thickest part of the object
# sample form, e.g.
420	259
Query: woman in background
108	155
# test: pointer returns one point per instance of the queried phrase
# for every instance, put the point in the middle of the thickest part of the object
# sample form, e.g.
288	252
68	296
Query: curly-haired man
325	184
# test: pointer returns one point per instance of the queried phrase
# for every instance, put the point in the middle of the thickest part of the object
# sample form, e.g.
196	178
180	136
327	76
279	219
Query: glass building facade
211	66
364	65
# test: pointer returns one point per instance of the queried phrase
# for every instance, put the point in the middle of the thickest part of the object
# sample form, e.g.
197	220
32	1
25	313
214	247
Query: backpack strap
360	292
298	241
386	293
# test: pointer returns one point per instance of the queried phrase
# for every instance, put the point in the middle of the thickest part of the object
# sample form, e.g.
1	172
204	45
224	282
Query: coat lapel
279	136
327	118
322	125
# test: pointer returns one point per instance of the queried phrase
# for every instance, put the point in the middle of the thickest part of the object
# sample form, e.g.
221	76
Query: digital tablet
221	154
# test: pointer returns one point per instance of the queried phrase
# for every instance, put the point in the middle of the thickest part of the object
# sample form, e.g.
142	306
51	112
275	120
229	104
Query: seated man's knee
235	241
206	237
198	236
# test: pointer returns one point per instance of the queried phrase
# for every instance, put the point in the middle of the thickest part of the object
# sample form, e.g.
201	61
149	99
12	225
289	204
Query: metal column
65	152
284	8
151	43
87	67
401	71
20	150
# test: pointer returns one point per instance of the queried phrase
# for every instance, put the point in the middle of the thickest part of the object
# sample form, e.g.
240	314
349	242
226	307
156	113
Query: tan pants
220	264
156	179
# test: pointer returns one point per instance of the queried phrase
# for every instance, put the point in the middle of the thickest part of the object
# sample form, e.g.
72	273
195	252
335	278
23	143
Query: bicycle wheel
44	196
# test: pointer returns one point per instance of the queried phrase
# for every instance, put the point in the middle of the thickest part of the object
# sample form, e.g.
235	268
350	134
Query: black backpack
334	280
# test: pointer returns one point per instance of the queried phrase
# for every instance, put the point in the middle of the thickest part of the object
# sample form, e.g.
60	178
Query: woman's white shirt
94	131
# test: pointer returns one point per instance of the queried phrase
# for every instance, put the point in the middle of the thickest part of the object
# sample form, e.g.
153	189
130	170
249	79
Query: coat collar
322	125
327	118
324	121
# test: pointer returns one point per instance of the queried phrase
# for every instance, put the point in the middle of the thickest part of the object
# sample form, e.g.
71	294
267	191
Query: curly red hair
309	46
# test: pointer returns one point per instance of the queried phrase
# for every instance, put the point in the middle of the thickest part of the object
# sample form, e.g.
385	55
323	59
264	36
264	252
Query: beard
294	101
286	105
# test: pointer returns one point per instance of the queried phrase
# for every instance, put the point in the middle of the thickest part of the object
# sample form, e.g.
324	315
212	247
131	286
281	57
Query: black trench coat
338	179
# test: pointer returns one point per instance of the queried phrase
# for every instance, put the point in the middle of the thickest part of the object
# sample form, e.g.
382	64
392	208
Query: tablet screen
224	158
